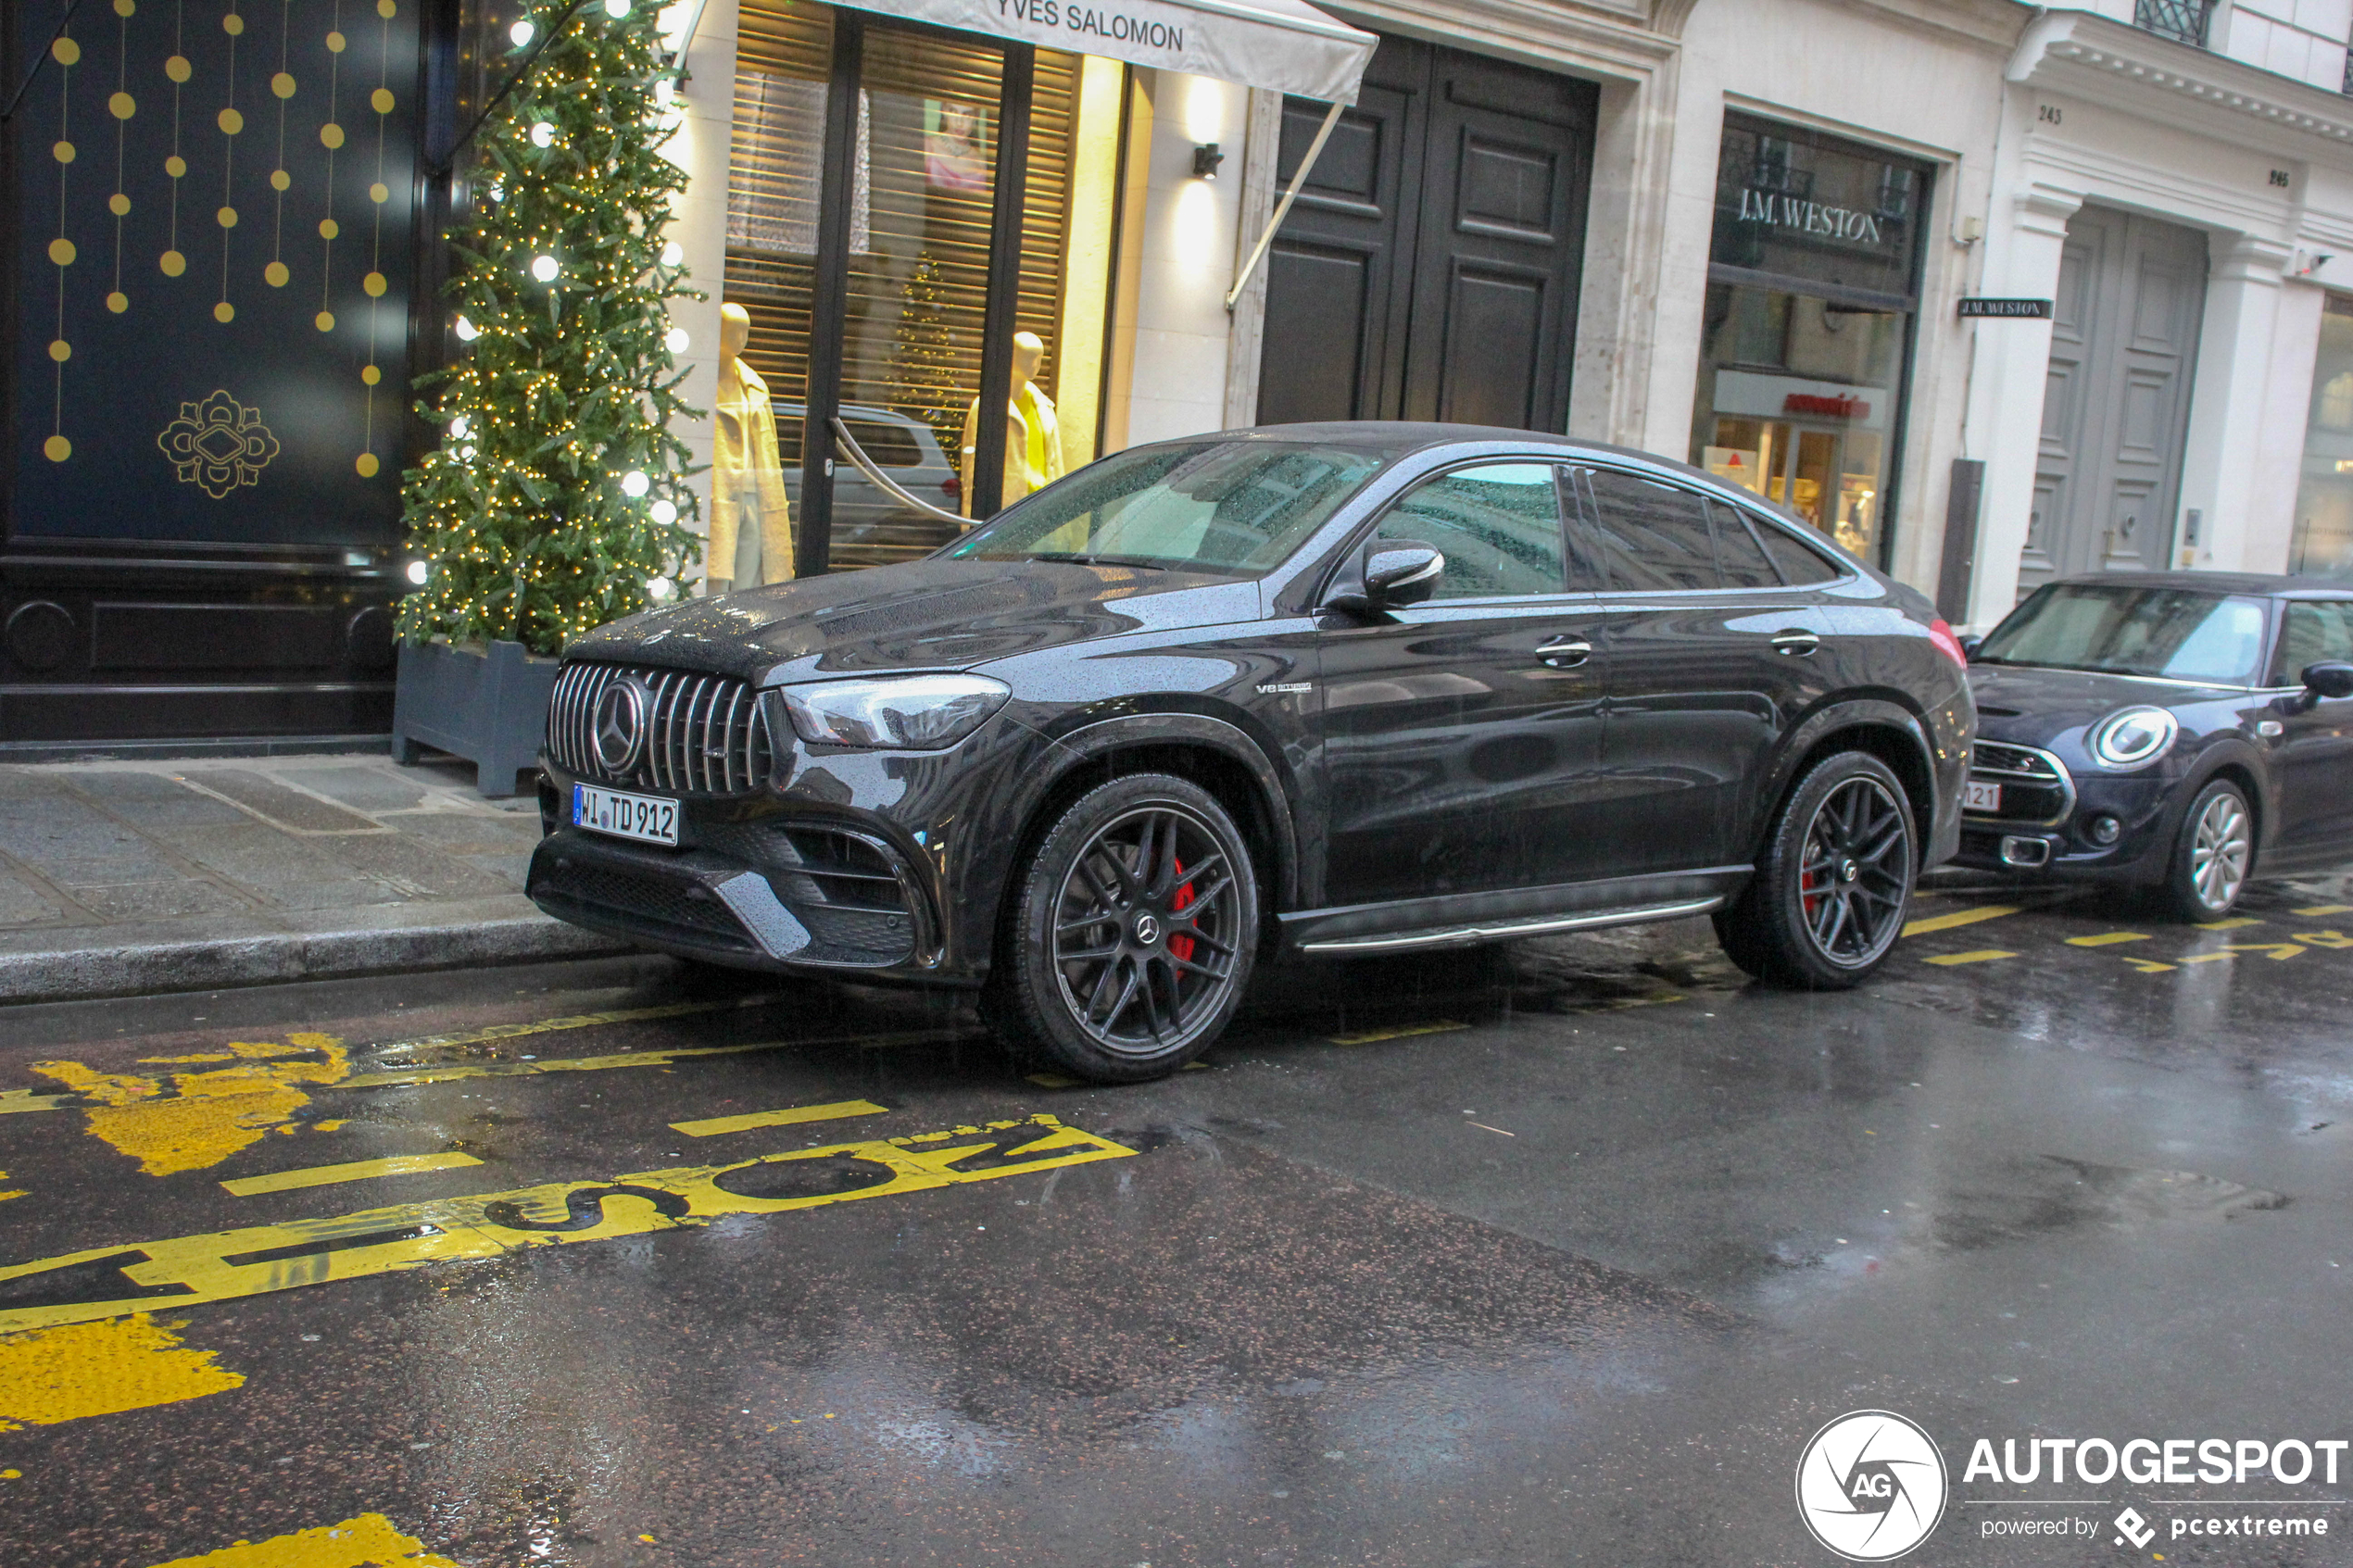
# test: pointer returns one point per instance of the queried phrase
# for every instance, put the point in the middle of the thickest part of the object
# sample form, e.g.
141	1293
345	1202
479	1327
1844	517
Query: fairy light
522	32
543	135
673	253
467	331
544	267
634	483
663	513
677	340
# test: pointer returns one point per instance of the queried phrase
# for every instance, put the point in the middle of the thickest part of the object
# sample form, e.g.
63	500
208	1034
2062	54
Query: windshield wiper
1100	561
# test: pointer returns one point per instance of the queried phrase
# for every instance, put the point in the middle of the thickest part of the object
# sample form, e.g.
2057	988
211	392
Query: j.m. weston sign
1850	224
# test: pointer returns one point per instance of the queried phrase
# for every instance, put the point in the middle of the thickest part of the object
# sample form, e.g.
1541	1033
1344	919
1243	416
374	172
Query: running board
1539	926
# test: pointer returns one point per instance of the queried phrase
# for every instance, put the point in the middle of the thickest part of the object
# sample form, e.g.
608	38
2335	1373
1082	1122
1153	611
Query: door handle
1565	653
1800	643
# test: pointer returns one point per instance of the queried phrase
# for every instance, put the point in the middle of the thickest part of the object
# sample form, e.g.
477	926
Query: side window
1739	558
2311	632
1799	565
1499	527
1658	532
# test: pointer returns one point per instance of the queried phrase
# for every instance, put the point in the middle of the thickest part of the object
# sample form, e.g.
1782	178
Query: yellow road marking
257	1259
208	1116
85	1369
369	1541
1402	1031
711	1126
25	1099
2233	923
356	1170
2206	958
2324	909
2323	939
2146	966
1982	955
6	1196
2279	951
2106	939
454	1071
578	1020
1959	918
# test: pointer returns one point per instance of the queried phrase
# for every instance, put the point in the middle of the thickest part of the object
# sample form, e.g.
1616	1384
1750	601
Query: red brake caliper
1182	947
1809	891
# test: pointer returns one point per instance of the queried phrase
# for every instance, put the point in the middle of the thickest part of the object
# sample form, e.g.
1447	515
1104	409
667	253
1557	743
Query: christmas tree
922	368
554	503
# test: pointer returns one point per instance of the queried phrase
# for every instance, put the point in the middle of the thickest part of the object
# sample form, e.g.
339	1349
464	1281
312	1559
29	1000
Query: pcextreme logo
1870	1486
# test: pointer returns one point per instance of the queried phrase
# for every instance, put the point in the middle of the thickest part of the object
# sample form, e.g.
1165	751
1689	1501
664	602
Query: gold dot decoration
122	106
324	320
224	312
175	166
375	283
173	264
380	193
117	302
370	374
125	8
62	152
280	180
56	449
228	217
61	251
119	204
366	464
232	24
330	135
231	122
329	228
380	100
178	69
282	84
335	42
275	274
60	350
66	52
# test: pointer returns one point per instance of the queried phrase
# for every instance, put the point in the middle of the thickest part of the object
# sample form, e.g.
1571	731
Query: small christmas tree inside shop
556	501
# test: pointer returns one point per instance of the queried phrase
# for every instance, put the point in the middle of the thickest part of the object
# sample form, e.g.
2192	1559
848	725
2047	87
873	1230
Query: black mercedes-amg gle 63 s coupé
1333	690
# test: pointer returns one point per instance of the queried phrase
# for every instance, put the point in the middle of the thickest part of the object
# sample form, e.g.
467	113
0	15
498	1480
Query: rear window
1738	555
1799	563
1658	533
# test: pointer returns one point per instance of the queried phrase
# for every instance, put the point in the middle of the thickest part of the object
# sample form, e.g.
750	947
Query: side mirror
1970	644
1390	574
2331	678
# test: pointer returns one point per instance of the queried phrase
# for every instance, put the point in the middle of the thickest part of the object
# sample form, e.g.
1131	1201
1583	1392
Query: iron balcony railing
2181	19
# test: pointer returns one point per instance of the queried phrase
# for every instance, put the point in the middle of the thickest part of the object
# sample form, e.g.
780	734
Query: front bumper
2047	816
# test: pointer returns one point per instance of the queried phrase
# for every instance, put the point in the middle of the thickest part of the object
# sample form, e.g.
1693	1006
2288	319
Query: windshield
1232	507
2179	632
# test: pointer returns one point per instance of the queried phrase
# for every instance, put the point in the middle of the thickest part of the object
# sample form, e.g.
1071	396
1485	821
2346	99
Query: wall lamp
1206	158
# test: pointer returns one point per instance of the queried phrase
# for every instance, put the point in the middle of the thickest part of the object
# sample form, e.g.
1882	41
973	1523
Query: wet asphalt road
1557	1254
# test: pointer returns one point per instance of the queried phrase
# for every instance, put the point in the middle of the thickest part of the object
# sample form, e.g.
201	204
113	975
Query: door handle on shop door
1800	643
1565	653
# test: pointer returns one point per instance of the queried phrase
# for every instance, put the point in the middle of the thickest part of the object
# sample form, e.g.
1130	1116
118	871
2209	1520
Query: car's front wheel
1131	934
2211	854
1828	901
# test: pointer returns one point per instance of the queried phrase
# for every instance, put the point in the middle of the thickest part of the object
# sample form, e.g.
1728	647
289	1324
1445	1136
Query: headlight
911	713
2134	737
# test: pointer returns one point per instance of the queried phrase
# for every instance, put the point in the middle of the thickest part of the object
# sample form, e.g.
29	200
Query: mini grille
2017	759
705	735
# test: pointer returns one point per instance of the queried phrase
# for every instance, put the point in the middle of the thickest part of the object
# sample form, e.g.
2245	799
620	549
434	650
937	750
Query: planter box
485	704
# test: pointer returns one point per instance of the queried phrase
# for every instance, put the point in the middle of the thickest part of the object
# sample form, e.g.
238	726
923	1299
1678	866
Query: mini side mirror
1390	574
1969	644
2332	678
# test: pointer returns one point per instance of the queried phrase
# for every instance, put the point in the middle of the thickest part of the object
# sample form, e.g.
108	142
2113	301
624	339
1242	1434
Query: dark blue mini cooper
2172	729
1347	689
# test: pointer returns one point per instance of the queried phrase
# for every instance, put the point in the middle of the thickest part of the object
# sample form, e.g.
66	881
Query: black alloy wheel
1827	903
1133	934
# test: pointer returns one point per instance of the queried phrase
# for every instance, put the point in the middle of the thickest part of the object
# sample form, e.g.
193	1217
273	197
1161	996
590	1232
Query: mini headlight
2134	737
909	713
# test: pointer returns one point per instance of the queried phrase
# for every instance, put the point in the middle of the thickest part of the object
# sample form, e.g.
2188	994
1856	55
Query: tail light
1947	644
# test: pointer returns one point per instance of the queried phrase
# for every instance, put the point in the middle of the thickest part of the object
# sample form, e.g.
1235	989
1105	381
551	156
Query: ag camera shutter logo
1870	1486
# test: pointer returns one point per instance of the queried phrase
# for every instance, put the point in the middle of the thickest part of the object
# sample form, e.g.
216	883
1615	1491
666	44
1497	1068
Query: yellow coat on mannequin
1033	438
746	479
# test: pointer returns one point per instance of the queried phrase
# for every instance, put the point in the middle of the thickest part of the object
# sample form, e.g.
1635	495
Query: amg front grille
705	735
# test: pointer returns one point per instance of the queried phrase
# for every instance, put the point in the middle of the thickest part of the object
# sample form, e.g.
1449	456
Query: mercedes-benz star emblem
1146	930
619	734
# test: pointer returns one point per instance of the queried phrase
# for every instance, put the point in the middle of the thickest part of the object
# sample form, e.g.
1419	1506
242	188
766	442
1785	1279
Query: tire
1827	903
2212	855
1131	935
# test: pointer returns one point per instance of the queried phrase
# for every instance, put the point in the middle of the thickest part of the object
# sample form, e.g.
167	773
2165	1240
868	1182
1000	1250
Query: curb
145	969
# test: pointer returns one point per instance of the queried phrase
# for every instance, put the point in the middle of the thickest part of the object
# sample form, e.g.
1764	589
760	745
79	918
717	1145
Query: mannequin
751	517
1033	438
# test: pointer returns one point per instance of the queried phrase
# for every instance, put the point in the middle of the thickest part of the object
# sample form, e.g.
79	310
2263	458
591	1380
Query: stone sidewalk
126	877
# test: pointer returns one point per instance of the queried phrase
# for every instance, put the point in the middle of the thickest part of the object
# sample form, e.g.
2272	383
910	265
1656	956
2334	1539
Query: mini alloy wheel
1826	902
1136	924
2213	855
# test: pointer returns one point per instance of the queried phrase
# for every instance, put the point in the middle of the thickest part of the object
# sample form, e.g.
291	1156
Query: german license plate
1976	796
646	818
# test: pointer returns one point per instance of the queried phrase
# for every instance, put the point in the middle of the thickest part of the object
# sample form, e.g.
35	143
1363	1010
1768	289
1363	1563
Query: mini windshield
2183	633
1232	507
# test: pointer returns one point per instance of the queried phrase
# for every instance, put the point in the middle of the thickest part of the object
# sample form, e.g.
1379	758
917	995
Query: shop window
1812	294
2322	544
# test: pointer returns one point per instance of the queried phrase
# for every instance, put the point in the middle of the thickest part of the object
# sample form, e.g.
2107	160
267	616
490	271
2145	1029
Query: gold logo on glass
218	445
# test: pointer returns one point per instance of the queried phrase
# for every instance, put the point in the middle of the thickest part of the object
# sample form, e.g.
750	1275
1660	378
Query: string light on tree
522	32
677	340
634	483
544	267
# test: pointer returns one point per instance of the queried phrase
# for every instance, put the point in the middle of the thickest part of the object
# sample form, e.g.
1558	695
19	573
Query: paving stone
469	834
74	846
366	789
285	807
21	904
419	868
153	800
296	872
161	900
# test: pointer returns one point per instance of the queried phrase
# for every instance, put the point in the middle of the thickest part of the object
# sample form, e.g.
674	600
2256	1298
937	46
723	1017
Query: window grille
2182	19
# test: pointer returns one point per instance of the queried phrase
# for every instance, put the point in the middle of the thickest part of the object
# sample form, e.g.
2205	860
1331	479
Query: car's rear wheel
1132	933
1828	901
2212	853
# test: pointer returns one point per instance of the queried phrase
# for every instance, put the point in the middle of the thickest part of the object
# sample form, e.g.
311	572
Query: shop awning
1282	46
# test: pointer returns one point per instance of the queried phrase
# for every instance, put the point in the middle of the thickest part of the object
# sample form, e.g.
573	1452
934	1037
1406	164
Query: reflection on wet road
1553	1254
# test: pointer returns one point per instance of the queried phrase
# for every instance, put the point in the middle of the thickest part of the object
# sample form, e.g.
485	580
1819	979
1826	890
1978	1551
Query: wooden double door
1429	269
2116	406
